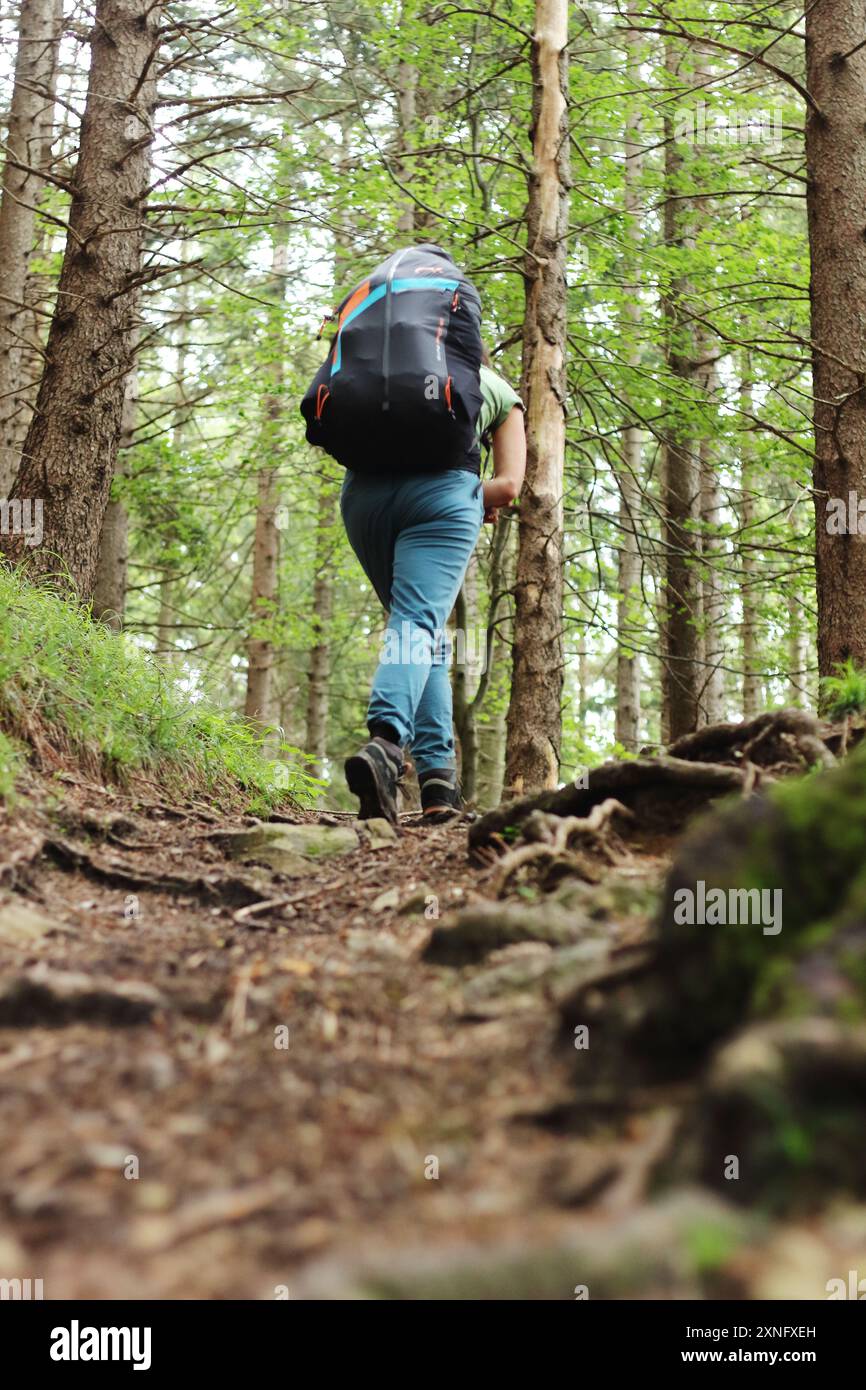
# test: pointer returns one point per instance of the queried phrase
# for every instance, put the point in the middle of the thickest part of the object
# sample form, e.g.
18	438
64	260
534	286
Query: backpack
400	388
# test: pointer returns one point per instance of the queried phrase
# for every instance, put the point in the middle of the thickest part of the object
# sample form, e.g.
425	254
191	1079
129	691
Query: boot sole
362	782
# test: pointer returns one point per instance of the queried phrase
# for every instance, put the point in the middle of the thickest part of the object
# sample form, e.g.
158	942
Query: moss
806	838
73	692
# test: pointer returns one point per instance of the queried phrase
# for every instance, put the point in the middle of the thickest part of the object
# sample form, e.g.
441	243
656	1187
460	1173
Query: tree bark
258	705
493	686
169	595
628	672
535	709
798	648
753	695
112	571
318	685
682	485
31	111
407	86
71	447
836	198
470	670
712	596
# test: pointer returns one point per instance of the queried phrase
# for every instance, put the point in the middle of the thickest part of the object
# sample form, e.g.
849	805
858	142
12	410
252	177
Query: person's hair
485	355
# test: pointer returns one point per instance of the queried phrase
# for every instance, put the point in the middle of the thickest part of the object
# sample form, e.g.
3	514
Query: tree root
215	887
548	838
672	787
663	792
785	738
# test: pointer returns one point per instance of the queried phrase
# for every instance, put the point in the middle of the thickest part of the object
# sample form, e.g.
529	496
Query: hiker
403	401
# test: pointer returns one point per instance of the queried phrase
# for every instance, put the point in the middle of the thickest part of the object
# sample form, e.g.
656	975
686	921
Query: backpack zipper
386	349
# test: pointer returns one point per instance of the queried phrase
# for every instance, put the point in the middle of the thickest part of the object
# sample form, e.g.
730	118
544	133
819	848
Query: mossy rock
291	849
528	981
472	933
618	898
677	1247
804	840
780	1121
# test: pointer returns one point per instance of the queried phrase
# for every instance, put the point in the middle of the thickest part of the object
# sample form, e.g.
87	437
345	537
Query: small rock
385	901
24	926
294	850
416	901
377	832
153	1196
111	1156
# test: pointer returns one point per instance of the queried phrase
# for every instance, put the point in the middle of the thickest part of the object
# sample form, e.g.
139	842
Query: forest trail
259	1157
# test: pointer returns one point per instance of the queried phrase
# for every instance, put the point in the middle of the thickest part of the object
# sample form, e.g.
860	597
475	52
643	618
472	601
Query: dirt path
302	1085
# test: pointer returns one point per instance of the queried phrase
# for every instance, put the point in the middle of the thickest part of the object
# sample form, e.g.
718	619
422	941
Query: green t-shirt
498	399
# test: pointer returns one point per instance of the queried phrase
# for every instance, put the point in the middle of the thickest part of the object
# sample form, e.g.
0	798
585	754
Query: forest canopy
291	146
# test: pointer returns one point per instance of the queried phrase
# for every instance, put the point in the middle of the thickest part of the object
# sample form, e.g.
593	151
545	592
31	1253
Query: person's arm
509	464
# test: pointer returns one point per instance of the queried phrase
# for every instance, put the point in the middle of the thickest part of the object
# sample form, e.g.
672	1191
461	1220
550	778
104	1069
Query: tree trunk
535	709
753	696
464	715
26	150
836	198
798	647
470	673
167	565
494	681
407	85
266	545
164	645
712	598
628	625
112	571
318	686
682	486
318	702
71	446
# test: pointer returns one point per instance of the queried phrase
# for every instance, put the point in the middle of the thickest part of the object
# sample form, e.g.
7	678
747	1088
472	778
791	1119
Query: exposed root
663	792
549	838
786	738
668	789
217	887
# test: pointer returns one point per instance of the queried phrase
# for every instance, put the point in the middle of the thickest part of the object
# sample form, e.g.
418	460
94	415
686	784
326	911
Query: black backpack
400	388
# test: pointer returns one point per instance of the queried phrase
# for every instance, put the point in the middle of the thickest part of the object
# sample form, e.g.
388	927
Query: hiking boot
440	795
373	775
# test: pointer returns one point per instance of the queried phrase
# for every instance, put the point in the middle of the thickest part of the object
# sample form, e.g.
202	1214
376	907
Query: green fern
845	693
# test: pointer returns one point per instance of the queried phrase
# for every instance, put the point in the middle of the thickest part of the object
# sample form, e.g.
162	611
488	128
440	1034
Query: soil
304	1086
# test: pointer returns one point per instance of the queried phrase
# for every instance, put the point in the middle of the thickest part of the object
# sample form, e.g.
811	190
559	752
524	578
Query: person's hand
491	515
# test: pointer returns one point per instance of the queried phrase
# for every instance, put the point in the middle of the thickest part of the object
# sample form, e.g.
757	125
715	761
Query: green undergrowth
71	692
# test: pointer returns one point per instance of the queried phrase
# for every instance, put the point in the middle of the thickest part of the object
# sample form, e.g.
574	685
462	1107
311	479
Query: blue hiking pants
414	538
